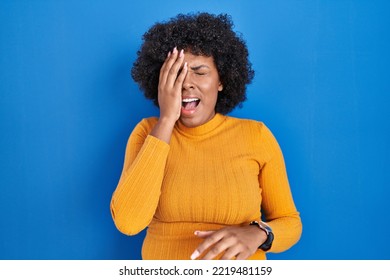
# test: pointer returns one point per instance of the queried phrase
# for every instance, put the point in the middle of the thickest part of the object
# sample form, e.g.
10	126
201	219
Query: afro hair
201	34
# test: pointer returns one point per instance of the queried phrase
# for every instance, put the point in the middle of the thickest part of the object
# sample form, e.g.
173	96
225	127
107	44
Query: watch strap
266	246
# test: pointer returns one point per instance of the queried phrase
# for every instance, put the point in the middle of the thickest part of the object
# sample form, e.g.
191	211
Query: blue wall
68	105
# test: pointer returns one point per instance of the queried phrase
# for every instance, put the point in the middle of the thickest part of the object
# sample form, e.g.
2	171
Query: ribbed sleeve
277	202
136	197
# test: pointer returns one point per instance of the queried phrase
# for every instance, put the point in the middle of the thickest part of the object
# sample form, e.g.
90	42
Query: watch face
265	227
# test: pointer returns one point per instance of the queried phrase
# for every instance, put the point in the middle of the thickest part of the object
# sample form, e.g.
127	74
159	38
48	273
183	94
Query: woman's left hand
236	242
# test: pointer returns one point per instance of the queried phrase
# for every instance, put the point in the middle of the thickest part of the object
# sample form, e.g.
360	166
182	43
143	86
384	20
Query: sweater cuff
157	143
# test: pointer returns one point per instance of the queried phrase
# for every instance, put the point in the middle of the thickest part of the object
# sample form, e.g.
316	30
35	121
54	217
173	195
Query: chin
195	120
190	122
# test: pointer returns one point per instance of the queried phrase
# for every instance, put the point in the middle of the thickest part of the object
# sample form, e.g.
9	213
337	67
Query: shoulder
255	129
246	123
147	123
144	127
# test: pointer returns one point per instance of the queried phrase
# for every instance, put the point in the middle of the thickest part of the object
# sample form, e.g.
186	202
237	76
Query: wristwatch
270	236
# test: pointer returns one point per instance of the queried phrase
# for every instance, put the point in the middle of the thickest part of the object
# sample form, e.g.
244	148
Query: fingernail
174	50
194	255
181	53
185	67
169	54
196	232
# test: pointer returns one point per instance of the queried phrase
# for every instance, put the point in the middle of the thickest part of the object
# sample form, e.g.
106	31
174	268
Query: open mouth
190	103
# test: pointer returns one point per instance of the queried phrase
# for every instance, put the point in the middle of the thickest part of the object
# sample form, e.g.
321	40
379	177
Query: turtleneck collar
202	129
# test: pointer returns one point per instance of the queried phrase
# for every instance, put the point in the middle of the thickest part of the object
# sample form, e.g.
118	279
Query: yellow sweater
228	171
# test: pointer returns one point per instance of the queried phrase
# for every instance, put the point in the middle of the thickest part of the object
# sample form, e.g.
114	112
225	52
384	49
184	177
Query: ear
220	86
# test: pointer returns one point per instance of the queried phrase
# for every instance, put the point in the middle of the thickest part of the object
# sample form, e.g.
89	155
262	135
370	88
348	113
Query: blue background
68	105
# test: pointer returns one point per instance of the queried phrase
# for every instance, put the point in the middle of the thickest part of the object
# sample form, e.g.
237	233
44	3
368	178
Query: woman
199	180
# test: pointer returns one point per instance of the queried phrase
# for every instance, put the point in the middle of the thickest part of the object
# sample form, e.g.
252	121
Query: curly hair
201	34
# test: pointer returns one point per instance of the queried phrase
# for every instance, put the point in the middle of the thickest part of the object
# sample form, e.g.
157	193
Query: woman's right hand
172	75
170	85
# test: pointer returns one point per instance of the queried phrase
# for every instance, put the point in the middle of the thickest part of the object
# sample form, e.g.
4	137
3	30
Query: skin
184	75
234	242
198	78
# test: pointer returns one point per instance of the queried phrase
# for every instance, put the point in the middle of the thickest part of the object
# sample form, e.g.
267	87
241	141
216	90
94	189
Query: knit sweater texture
226	172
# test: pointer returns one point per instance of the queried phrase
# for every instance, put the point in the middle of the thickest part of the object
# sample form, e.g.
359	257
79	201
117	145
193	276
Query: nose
188	83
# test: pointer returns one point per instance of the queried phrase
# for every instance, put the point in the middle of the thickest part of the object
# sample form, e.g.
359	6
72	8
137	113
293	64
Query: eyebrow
195	68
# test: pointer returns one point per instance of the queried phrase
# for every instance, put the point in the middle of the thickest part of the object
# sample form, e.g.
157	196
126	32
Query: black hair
201	34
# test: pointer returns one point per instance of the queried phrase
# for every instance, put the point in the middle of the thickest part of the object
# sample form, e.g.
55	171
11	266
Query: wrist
163	129
258	235
167	121
263	227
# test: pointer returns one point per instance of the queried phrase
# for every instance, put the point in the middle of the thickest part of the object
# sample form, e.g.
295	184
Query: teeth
190	99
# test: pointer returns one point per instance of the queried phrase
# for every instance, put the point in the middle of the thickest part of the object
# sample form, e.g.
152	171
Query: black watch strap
266	246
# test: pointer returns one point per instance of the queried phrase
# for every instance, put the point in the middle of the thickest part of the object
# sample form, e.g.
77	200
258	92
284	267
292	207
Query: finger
213	238
243	256
228	243
173	71
204	233
170	60
237	252
180	79
201	234
216	249
163	67
231	253
214	244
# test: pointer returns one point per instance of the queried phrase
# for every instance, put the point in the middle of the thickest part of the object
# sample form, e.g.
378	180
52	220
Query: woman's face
200	90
